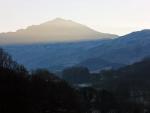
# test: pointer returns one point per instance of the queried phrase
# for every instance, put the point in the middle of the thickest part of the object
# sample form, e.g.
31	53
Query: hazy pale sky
110	16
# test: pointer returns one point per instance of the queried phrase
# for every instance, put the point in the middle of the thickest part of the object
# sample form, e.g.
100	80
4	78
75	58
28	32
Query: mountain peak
58	19
57	30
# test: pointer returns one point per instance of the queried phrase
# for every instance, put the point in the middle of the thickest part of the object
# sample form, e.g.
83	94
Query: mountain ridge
57	30
125	49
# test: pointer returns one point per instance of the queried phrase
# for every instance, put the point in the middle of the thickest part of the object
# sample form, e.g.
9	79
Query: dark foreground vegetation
37	92
126	90
128	87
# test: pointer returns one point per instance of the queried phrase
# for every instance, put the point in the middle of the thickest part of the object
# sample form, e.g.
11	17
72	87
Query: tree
7	62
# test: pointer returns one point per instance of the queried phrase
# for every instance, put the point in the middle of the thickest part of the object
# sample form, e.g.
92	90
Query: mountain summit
57	30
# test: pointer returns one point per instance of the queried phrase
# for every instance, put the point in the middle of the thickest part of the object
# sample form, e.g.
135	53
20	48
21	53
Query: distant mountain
96	54
124	50
57	30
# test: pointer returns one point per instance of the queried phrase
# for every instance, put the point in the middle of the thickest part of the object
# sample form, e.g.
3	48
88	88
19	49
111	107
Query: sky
108	16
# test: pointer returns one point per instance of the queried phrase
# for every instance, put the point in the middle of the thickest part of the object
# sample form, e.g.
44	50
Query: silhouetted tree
7	62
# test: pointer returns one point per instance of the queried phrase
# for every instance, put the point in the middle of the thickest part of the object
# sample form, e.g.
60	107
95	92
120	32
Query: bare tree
6	61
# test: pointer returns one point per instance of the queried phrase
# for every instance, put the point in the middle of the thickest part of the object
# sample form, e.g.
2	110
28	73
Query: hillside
55	56
127	49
